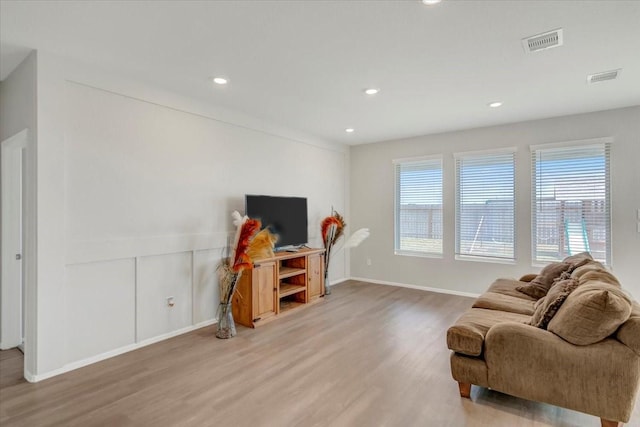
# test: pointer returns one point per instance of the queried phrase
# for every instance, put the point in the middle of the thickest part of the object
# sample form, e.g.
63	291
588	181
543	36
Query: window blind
418	206
485	205
571	202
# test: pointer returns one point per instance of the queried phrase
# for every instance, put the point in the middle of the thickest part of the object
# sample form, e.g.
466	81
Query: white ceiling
305	64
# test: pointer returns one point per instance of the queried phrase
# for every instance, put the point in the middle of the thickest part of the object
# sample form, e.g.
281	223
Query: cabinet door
264	290
315	275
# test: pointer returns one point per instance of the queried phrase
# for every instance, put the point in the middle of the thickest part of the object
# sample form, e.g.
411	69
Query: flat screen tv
284	216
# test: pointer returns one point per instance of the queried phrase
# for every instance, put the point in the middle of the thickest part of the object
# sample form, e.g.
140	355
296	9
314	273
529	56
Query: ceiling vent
604	76
543	41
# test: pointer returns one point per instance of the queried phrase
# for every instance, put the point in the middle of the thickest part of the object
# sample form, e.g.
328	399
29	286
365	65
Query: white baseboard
29	376
421	288
338	281
112	353
32	378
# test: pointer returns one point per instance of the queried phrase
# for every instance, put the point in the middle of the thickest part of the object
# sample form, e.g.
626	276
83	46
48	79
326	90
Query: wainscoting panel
206	294
158	278
100	307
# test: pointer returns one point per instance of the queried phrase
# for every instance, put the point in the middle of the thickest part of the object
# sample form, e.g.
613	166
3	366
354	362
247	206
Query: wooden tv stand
277	286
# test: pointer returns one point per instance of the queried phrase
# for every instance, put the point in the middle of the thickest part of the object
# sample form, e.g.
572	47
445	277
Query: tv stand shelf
290	272
279	285
287	289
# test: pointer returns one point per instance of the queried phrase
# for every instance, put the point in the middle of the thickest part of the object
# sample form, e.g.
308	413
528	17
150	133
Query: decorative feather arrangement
240	258
262	245
332	228
230	269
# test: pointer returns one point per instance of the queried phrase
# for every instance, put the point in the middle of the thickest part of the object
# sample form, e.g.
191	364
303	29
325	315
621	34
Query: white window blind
570	202
418	206
485	205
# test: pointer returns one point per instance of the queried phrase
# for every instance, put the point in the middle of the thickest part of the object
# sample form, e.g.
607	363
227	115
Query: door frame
12	322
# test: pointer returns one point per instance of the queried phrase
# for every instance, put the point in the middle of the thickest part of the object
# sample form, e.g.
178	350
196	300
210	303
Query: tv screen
284	216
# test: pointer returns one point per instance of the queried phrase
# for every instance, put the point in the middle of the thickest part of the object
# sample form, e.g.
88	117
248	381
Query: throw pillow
591	314
548	306
528	277
599	277
539	286
589	266
578	259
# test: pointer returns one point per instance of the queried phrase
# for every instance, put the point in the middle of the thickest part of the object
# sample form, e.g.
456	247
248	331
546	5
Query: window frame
397	163
606	144
482	258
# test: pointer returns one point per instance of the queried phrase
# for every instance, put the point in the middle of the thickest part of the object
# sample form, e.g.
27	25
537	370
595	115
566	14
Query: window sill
485	259
418	254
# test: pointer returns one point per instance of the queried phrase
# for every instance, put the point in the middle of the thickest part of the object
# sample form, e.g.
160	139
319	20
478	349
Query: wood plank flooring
368	355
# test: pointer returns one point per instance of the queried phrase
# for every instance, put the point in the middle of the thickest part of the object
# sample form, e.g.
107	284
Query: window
570	201
485	205
418	206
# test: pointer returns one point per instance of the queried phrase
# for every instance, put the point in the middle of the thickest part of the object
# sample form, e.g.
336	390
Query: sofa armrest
629	332
599	379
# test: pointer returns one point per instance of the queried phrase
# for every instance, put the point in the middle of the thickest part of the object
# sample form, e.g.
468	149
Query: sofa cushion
528	277
591	313
502	302
467	335
548	306
602	277
589	266
629	332
539	286
509	287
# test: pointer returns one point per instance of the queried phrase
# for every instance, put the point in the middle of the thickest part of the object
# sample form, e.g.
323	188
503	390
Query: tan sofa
577	346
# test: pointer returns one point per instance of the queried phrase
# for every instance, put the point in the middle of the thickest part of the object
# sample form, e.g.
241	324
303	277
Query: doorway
12	285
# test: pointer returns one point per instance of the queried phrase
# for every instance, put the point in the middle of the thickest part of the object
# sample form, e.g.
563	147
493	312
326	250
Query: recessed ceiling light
349	130
431	2
371	91
220	80
495	104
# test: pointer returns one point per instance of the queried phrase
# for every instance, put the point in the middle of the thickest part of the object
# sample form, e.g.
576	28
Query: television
284	216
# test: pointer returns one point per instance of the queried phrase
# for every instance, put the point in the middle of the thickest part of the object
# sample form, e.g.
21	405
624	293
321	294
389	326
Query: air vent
603	76
543	41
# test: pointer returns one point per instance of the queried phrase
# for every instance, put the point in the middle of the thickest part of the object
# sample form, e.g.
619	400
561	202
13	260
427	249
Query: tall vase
327	288
226	325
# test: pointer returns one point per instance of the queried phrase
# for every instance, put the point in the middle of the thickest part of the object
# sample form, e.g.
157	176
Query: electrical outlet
368	261
171	301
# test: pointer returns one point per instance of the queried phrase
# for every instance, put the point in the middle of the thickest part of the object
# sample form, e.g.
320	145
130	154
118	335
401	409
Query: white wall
18	112
136	190
18	99
372	199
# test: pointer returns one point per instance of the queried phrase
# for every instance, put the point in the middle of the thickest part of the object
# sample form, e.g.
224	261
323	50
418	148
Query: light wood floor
368	355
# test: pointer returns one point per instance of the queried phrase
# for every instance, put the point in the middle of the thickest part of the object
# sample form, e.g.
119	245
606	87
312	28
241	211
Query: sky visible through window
499	175
571	179
563	179
432	176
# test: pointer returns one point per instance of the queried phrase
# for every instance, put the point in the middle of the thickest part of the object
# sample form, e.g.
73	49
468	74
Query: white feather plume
356	238
238	220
